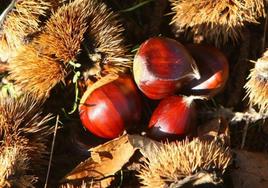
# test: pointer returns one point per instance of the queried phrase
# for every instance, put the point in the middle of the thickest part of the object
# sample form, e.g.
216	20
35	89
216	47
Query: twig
250	116
244	136
52	150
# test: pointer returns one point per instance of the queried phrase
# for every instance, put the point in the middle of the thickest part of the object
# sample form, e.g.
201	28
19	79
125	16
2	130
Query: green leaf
76	76
75	100
75	65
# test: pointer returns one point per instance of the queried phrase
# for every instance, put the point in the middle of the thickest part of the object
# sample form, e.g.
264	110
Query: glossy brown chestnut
111	108
161	66
174	118
214	70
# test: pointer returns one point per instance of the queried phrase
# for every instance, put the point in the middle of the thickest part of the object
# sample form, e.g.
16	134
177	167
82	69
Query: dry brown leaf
144	144
251	171
106	160
216	128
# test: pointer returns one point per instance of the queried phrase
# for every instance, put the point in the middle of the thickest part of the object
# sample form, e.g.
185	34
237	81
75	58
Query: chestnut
173	119
111	108
213	67
161	66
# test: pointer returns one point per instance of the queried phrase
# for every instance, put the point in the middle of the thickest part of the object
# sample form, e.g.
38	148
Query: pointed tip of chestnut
161	66
174	118
214	71
111	108
196	73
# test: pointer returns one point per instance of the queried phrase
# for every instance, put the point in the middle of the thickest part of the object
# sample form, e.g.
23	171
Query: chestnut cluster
164	70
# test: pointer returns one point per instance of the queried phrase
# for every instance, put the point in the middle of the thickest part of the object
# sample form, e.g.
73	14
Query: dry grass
23	137
174	161
257	85
217	20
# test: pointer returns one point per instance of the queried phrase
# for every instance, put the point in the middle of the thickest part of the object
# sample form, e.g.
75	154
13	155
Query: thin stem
136	6
75	100
52	150
244	136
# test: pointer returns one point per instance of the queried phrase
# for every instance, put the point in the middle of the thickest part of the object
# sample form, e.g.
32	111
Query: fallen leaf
105	161
251	171
144	144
